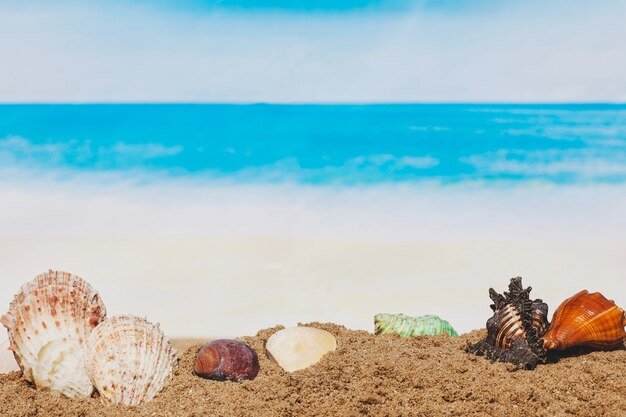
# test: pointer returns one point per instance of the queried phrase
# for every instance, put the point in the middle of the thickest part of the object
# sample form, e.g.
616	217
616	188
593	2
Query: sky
354	51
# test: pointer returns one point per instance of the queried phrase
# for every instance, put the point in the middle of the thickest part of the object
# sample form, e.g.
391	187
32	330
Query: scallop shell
586	320
407	326
48	321
129	360
514	330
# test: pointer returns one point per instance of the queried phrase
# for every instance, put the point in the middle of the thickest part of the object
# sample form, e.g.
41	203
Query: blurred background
221	167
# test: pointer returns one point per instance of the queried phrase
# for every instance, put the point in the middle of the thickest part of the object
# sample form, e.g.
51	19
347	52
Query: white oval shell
296	348
48	321
129	360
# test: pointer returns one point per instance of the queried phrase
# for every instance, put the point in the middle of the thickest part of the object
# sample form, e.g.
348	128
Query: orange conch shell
586	320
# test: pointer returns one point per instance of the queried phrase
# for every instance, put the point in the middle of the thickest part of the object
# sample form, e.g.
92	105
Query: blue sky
300	6
312	51
329	6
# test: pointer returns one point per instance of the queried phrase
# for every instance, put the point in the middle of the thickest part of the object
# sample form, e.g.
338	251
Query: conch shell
48	321
586	320
129	360
514	330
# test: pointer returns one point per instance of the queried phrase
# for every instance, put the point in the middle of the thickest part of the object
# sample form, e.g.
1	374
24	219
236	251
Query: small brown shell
586	320
226	359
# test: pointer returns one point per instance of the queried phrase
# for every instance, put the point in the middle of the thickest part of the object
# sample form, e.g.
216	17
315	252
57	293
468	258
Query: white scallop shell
129	360
48	322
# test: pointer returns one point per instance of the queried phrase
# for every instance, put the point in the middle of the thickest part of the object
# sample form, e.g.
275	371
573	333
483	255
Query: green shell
407	326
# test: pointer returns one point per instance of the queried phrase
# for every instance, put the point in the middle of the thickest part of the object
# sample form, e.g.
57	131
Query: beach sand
251	267
182	345
382	375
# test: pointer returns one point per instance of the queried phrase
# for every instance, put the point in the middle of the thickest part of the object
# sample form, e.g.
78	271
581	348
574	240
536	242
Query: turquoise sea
324	144
279	214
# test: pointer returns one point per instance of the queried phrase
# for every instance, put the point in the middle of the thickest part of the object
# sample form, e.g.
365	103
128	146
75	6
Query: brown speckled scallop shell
48	321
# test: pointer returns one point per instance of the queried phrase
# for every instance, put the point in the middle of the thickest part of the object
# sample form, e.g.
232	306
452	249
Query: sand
370	375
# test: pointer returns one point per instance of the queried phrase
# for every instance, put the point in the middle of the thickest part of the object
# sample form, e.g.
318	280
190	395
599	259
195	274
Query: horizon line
317	103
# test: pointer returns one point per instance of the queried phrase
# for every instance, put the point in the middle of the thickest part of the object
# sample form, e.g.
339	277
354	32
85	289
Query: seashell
514	330
296	348
407	326
49	321
129	360
224	359
586	320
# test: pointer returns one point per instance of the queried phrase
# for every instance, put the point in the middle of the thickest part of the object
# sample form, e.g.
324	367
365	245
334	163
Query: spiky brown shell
514	330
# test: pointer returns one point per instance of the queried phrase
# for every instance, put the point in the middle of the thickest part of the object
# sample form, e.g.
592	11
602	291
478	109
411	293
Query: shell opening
59	368
548	344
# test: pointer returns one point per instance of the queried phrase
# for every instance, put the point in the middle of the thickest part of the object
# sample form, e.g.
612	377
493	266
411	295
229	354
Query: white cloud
526	51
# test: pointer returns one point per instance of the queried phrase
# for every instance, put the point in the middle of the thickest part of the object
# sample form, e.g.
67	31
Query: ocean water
219	220
318	144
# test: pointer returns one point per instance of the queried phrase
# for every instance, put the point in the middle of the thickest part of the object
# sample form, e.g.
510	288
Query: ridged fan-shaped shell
129	360
49	321
586	320
407	326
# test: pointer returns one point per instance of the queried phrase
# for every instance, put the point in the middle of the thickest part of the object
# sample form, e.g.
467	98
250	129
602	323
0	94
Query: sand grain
370	375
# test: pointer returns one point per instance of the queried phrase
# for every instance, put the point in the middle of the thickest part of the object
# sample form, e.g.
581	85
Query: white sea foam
127	204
